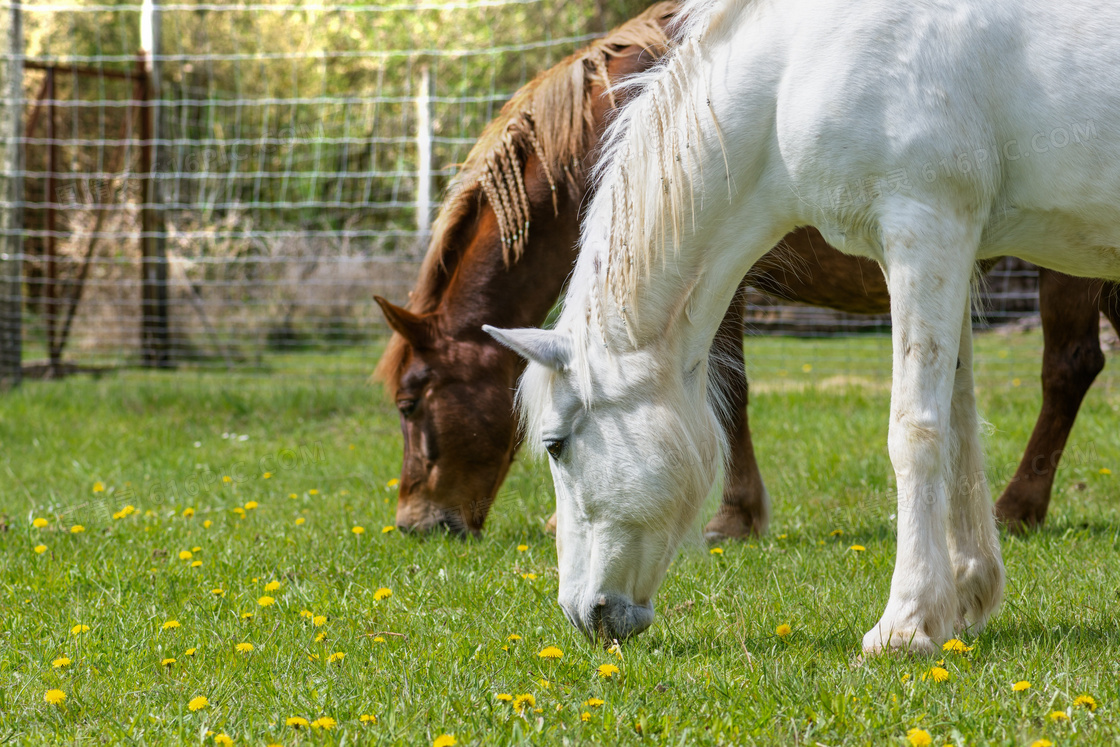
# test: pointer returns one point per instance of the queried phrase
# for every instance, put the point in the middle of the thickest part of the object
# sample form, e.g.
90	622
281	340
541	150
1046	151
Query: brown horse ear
412	327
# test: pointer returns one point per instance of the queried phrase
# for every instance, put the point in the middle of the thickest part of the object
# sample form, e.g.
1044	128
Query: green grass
710	671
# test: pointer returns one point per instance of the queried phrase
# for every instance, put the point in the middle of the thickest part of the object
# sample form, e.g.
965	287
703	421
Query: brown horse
503	245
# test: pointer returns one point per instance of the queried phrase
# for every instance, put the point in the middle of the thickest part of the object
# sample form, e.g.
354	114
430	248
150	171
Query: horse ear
546	347
412	327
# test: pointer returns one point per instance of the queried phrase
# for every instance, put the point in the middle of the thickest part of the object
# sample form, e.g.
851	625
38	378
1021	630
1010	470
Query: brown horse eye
555	447
406	406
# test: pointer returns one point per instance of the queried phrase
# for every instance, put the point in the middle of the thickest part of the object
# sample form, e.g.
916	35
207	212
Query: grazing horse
927	136
453	386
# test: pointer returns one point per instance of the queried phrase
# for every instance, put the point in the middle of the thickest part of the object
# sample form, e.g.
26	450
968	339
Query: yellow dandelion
1059	716
836	533
239	511
529	576
368	718
504	697
166	662
99	487
313	491
40	549
1042	743
250	505
522	548
197	704
244	648
207	524
188	513
513	637
716	551
378	639
186	555
77	529
293	496
606	671
223	739
54	697
382	594
305	613
523	701
266	476
272	586
170	624
1020	686
444	740
919	738
1016	381
60	662
319	620
783	630
1105	471
550	652
955	646
320	637
358	530
388	528
393	483
297	722
246	615
218	592
39	523
595	702
336	656
190	652
324	722
300	521
807	367
937	674
196	564
857	548
1085	701
585	716
313	657
227	478
79	629
266	601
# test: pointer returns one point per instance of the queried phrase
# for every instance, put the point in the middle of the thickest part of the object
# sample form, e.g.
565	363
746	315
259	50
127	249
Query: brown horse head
453	384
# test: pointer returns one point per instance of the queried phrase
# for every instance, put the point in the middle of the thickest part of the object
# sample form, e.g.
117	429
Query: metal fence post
155	344
11	195
424	156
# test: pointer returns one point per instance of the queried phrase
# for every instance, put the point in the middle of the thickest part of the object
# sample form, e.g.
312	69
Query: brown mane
494	168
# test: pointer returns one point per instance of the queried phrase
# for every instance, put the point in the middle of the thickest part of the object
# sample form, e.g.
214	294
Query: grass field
143	612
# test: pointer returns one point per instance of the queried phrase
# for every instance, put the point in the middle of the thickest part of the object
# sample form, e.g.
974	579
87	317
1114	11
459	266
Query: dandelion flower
504	697
392	483
937	674
166	662
196	564
266	476
227	478
585	716
319	620
223	739
807	367
522	548
444	740
595	702
244	648
188	512
186	555
324	722
300	521
1106	471
385	530
77	529
170	624
79	629
836	533
218	592
1085	701
955	646
266	601
60	662
529	576
297	722
606	671
919	738
358	530
783	630
321	637
272	586
239	511
550	652
1059	716
857	548
336	656
54	697
378	639
1042	743
99	487
313	491
716	551
382	593
246	615
40	549
523	701
190	652
367	718
39	523
513	637
1020	686
197	704
250	505
305	613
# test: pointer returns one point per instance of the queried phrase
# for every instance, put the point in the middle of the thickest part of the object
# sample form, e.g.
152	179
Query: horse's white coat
925	135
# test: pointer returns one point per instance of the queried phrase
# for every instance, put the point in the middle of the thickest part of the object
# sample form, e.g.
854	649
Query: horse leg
973	540
928	263
1071	360
745	510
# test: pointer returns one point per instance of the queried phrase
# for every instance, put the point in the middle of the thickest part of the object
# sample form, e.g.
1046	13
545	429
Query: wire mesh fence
237	196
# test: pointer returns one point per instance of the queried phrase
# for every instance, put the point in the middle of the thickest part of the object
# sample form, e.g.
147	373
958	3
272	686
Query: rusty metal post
50	292
11	197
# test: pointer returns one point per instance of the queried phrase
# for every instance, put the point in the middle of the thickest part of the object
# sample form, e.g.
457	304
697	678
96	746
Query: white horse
923	134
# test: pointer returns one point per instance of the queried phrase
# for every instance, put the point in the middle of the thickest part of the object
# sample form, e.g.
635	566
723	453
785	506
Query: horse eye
555	447
406	406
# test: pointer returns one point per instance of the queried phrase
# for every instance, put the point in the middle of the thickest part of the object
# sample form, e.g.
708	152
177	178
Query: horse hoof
901	639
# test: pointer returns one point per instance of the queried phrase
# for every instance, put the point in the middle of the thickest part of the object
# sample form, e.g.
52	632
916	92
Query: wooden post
11	194
155	344
424	153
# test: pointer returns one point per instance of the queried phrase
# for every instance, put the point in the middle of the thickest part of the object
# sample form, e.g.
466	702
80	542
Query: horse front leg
1071	360
928	264
745	510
